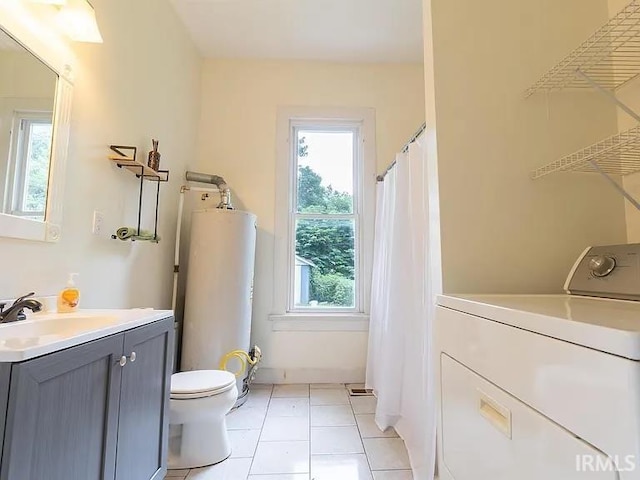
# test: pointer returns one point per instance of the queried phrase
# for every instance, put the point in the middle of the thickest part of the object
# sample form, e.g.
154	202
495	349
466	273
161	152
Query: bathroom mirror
27	98
35	96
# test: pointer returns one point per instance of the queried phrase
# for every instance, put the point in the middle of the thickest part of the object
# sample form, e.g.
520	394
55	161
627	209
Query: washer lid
603	324
201	381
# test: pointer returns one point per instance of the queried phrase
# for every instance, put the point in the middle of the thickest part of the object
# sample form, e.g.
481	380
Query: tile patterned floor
306	432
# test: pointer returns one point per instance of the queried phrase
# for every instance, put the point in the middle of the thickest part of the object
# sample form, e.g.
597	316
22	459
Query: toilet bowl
200	401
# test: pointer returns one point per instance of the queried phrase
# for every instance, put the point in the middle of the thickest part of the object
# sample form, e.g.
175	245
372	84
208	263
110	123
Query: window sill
319	322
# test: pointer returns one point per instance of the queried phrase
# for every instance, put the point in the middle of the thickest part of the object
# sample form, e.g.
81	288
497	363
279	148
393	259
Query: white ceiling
331	30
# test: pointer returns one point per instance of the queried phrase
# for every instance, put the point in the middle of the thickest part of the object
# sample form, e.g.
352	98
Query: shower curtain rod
415	136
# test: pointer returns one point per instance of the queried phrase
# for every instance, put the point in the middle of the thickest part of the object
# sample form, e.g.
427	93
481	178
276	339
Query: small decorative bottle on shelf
154	156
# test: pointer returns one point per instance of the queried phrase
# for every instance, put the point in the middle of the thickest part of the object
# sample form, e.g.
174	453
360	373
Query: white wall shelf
607	60
610	57
616	155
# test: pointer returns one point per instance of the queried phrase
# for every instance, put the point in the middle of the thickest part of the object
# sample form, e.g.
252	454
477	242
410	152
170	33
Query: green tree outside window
328	243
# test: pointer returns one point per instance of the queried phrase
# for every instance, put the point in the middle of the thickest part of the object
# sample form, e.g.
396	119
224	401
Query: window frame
328	126
284	313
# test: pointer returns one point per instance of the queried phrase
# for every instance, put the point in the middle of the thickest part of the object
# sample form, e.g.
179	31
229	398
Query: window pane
324	263
325	171
37	168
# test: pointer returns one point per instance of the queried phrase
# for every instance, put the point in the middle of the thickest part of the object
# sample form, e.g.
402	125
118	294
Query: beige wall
629	94
143	82
238	141
501	231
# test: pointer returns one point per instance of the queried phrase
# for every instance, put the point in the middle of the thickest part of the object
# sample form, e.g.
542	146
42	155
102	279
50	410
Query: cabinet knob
123	361
132	357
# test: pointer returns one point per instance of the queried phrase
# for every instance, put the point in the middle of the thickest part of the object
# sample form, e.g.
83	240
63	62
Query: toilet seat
200	384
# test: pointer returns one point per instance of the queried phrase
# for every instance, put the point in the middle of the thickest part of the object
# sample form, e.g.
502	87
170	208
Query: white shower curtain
400	355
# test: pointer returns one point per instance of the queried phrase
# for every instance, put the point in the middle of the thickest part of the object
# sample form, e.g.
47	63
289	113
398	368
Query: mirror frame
30	28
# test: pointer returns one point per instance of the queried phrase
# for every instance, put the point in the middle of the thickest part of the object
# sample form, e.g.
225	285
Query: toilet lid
201	383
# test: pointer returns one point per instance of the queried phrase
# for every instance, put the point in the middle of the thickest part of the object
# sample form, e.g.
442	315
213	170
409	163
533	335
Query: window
29	171
325	213
325	223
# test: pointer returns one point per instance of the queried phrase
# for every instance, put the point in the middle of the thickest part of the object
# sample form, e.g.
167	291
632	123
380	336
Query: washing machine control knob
602	265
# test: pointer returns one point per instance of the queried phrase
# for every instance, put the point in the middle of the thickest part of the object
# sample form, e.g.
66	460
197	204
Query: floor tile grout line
261	429
271	397
344	385
361	439
311	431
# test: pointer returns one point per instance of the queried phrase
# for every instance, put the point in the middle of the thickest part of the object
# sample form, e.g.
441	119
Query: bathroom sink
49	332
34	332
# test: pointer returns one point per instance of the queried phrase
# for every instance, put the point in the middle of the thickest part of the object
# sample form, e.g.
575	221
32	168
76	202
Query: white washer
536	387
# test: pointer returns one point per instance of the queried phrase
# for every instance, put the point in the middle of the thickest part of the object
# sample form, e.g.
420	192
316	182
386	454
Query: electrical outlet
98	222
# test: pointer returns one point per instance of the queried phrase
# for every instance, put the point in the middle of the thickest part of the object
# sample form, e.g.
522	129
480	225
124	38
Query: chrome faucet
16	311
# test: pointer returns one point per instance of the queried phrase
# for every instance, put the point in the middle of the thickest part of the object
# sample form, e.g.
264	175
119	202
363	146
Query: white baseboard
310	375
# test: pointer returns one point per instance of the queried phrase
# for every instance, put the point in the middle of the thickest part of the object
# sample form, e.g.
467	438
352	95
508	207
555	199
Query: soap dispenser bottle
69	297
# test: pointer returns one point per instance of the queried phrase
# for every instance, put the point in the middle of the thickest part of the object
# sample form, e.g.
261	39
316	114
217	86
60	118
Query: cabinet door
63	414
144	402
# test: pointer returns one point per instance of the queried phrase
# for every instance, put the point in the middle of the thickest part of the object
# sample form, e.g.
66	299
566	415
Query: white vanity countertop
45	333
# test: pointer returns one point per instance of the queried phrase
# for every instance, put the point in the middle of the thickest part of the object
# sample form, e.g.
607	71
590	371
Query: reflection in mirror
27	98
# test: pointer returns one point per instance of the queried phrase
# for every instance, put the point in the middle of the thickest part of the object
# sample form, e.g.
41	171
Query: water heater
217	316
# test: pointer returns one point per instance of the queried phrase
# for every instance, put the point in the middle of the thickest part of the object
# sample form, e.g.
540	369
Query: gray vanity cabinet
85	414
63	414
143	423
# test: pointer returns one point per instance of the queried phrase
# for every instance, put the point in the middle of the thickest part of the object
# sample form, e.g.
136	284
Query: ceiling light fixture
77	19
50	2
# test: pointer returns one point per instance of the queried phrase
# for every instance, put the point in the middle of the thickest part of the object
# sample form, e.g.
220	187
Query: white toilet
200	401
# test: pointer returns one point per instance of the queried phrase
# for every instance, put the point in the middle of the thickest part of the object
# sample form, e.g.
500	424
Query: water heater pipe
176	262
223	188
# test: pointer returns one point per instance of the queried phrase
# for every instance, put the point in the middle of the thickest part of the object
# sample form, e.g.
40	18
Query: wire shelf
610	57
617	155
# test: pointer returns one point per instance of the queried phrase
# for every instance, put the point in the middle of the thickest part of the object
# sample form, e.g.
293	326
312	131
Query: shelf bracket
615	184
615	100
610	95
118	149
